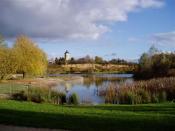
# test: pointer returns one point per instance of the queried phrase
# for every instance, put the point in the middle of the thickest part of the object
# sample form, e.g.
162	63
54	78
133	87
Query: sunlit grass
101	117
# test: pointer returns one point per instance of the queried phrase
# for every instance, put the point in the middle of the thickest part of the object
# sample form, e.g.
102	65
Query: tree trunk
2	77
23	75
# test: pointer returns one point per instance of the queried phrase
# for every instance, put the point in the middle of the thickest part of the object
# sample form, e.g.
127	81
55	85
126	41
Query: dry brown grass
87	68
150	91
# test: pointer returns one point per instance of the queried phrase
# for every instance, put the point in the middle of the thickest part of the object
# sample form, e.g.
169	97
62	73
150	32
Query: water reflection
87	86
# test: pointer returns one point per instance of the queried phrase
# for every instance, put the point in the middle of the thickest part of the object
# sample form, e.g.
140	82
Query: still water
88	87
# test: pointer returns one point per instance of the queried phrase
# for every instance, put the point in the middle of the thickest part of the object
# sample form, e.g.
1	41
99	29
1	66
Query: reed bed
141	92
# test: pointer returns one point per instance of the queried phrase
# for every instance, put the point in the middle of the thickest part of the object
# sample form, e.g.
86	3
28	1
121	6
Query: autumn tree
156	64
2	42
31	59
98	60
8	64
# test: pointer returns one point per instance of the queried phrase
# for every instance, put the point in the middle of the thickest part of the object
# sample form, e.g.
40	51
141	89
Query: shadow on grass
83	122
162	109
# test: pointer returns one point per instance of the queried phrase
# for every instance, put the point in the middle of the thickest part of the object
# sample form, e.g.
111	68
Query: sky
107	28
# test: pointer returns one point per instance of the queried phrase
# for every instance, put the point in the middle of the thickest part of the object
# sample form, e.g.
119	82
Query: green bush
73	99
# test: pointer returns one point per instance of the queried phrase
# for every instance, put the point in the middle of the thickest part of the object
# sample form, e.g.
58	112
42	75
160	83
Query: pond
87	87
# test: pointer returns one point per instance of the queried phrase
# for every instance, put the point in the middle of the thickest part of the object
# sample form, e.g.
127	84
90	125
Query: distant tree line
24	58
156	64
87	59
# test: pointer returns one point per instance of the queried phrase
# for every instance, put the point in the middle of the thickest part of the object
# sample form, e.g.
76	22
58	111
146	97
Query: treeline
156	64
24	58
87	59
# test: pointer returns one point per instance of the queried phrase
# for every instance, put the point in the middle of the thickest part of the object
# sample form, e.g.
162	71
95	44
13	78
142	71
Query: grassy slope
103	117
87	68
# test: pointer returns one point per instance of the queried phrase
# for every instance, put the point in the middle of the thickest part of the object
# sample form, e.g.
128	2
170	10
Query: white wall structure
67	56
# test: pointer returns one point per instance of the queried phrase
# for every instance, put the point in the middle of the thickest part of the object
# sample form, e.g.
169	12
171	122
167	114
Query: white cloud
167	38
151	3
62	19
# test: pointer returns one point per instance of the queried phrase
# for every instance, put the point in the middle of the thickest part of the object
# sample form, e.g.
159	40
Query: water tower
66	56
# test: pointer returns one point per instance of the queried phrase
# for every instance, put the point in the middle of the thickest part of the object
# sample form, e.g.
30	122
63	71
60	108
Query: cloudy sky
107	28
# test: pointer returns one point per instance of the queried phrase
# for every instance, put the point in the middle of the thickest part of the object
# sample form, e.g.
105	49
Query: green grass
8	88
148	117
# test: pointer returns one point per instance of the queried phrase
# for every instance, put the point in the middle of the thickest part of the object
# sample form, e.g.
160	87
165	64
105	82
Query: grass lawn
7	88
148	117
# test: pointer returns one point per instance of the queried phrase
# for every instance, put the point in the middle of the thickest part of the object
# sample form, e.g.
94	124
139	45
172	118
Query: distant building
67	56
51	61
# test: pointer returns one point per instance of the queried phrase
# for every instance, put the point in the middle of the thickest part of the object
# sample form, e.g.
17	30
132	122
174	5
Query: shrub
156	65
62	98
73	99
36	98
58	97
38	95
19	96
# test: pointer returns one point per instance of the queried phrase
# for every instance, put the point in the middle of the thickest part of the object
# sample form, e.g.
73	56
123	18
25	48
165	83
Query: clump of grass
58	97
126	97
142	96
21	96
39	95
73	99
36	95
110	96
150	91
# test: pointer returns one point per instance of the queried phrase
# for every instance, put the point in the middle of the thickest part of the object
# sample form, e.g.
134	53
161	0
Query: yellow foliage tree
8	63
2	42
31	59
